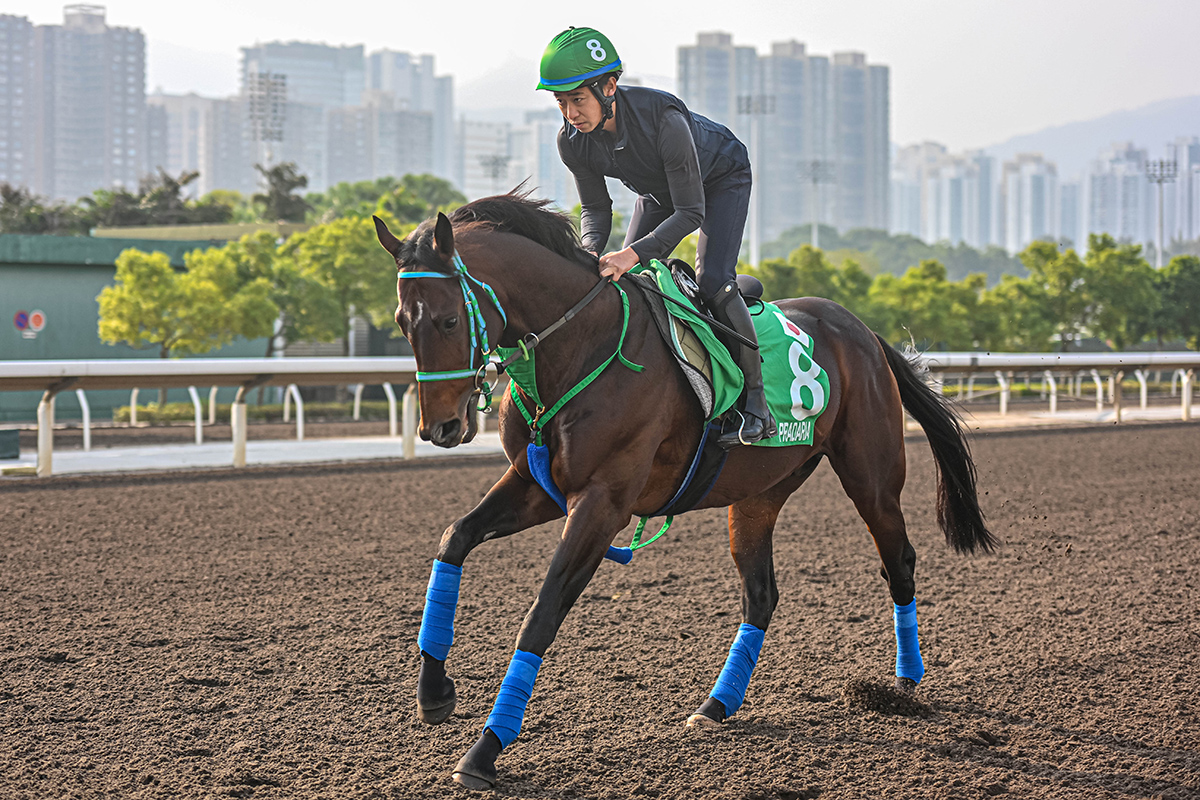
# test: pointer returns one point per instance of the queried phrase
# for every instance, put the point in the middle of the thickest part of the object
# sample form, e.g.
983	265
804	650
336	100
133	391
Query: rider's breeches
726	204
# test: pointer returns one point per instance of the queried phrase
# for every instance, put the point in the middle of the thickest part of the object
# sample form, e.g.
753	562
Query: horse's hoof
477	769
710	714
437	714
473	782
906	686
698	720
435	692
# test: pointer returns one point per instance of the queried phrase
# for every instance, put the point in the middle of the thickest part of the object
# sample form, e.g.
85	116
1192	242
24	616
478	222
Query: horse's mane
514	212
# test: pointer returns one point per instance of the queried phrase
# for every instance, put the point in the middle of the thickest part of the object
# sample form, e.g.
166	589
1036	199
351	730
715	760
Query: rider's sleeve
677	149
595	222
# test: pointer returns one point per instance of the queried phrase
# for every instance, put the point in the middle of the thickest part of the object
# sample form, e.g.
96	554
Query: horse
614	455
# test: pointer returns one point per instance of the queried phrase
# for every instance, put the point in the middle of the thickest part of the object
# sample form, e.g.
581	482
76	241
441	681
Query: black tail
958	511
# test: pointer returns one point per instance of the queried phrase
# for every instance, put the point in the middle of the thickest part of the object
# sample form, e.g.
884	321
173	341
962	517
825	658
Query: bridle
477	325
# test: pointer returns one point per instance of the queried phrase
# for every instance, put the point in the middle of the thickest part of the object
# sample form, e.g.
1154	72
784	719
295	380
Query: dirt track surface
253	635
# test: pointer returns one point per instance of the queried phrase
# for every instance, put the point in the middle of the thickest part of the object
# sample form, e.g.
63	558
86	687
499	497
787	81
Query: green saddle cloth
797	388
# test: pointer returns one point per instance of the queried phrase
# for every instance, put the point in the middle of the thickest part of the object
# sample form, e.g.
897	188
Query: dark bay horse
622	446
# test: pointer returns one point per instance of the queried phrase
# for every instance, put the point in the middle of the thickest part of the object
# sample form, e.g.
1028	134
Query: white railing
52	377
1072	367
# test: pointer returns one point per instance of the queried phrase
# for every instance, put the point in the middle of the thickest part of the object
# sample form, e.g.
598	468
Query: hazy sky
966	73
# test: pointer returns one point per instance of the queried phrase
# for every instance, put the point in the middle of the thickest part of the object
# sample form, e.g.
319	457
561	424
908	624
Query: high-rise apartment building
1184	194
89	105
414	86
318	79
938	196
183	125
1028	199
800	114
1120	201
16	101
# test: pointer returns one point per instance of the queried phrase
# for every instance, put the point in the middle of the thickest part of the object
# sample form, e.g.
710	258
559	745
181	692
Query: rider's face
581	108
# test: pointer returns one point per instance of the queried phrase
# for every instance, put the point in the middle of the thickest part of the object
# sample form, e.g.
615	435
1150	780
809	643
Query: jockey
688	172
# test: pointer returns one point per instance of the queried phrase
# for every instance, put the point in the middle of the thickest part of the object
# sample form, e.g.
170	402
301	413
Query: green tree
928	308
182	313
280	202
1121	287
348	275
1180	298
23	212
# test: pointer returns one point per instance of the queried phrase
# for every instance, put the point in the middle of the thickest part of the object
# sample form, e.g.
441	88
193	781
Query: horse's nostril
447	433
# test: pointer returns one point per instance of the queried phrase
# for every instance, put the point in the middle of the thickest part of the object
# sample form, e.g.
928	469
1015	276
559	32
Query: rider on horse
688	172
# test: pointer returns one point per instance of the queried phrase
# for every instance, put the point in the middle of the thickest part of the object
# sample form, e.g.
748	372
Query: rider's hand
614	265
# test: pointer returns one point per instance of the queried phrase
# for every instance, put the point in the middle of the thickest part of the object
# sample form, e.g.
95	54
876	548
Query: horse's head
433	316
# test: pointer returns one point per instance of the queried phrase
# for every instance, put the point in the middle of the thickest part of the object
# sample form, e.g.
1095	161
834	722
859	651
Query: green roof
18	248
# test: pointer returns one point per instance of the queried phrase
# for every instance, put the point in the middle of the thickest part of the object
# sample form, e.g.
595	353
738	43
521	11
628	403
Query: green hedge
185	412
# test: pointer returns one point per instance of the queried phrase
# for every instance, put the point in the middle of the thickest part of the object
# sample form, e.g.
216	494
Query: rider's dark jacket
660	150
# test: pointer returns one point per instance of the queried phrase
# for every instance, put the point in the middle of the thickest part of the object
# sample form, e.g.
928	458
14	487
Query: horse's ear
443	237
386	238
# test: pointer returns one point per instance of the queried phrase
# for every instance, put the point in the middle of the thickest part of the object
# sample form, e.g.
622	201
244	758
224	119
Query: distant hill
1072	146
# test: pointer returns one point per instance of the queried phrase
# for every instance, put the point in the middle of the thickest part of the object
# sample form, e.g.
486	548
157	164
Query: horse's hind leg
751	525
512	505
872	471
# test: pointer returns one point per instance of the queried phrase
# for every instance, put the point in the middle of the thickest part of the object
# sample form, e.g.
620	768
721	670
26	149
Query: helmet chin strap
606	105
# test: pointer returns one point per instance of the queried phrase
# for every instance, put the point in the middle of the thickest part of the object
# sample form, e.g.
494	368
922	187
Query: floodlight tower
755	106
817	172
1160	172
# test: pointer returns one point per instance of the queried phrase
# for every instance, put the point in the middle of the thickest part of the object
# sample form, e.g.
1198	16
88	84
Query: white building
88	105
17	129
943	197
1120	200
414	86
1029	200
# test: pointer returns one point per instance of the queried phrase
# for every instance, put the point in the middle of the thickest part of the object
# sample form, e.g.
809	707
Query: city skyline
964	76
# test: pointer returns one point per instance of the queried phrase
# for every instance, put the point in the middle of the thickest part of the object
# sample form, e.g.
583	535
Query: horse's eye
449	323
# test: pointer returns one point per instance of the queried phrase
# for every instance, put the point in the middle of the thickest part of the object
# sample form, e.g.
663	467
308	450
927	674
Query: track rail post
1004	388
237	418
1099	389
133	408
294	391
410	421
1053	387
212	406
1116	378
358	390
199	413
87	418
1186	409
393	427
1140	374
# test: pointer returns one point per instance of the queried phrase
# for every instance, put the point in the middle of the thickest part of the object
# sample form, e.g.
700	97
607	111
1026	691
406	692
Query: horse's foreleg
512	505
593	522
751	525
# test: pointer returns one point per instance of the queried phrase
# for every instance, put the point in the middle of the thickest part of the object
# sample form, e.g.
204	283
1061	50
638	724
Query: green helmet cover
576	56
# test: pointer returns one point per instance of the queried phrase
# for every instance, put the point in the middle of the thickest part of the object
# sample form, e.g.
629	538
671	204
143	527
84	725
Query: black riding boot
756	422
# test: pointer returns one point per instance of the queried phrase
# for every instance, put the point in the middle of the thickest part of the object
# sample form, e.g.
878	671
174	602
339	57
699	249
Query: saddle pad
797	388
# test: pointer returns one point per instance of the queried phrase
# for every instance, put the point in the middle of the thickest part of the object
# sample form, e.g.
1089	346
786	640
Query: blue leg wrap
441	600
509	711
735	676
908	649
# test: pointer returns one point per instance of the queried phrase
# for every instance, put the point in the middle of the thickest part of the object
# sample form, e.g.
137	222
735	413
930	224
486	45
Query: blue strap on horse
441	600
509	711
908	649
702	474
735	675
